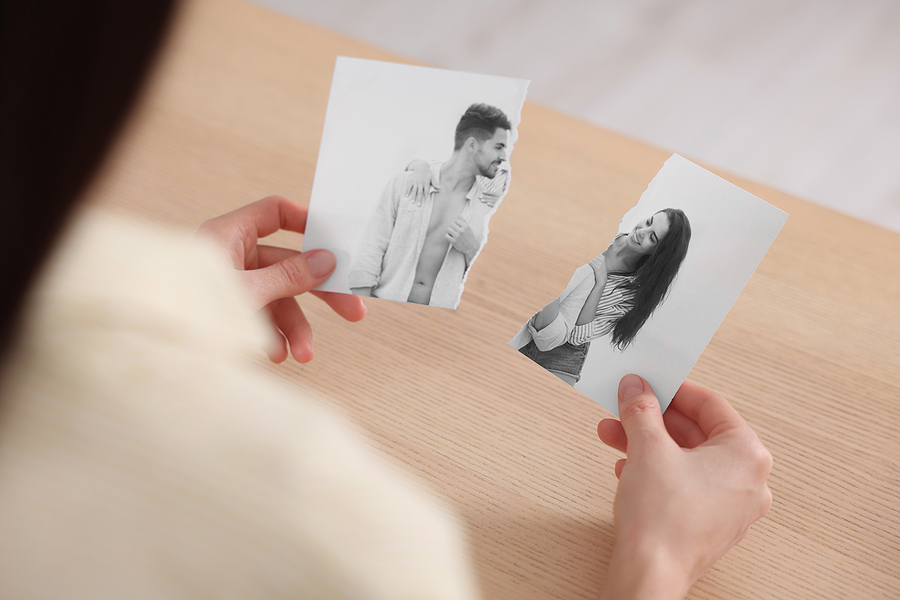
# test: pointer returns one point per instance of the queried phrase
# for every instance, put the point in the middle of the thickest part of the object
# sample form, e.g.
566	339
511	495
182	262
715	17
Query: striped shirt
615	301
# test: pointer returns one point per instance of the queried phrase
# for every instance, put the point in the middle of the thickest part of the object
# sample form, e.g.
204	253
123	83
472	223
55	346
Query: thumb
640	415
290	277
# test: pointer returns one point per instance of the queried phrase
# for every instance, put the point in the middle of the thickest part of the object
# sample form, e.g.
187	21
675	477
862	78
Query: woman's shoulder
131	377
583	275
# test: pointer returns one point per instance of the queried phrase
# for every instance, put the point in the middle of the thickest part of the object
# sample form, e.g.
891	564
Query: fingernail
630	385
320	262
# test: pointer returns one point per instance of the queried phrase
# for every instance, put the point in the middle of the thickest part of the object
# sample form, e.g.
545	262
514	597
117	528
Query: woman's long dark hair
69	71
654	274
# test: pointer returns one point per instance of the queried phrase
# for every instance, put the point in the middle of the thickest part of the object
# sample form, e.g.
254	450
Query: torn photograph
650	302
413	163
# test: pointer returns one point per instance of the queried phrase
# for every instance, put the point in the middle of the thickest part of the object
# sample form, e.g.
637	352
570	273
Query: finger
238	231
612	434
265	216
350	307
683	430
290	277
290	320
347	306
620	464
708	409
277	351
640	416
269	255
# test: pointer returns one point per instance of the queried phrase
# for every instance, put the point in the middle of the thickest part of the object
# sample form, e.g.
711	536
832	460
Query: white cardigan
143	456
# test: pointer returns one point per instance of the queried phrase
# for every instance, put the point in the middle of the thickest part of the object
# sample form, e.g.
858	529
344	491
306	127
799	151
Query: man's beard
486	171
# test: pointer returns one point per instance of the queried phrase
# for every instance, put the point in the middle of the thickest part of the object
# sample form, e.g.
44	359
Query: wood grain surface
809	354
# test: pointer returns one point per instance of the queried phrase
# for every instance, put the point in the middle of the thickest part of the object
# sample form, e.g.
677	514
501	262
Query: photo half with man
413	163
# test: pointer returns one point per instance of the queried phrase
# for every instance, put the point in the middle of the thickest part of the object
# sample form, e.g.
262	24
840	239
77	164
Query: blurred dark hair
480	121
69	70
654	274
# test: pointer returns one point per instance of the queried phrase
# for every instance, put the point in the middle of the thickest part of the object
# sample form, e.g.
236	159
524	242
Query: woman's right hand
421	181
693	482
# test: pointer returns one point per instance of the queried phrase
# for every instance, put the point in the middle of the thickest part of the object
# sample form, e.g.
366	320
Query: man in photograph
421	252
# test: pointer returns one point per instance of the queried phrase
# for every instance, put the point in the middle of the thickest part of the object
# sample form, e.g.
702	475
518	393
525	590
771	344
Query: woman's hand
273	276
421	181
693	482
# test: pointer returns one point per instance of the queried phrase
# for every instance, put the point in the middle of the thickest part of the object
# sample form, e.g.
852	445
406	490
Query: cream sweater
142	456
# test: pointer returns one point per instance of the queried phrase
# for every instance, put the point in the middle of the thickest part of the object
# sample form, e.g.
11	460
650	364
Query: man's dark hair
480	121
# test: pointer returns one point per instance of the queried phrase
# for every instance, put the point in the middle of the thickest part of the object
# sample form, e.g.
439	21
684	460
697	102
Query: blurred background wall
802	95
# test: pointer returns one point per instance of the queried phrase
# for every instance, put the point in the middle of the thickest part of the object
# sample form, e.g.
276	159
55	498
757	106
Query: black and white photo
651	300
413	163
613	295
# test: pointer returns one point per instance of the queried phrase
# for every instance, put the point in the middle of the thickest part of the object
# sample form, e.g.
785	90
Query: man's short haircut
480	121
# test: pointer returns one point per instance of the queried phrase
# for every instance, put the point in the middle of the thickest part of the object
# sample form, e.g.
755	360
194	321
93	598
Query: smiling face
647	235
490	153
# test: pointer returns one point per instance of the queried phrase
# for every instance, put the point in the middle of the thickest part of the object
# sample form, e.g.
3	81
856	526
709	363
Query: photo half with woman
651	299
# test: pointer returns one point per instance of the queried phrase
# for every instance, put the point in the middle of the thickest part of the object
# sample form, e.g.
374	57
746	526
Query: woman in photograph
613	294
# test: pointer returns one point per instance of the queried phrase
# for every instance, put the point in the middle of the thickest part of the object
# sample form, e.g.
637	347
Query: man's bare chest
445	210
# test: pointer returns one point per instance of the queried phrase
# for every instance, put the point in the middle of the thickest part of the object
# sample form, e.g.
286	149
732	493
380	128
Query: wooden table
809	354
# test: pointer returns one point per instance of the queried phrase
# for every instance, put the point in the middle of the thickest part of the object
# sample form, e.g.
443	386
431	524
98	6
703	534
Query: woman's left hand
273	276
